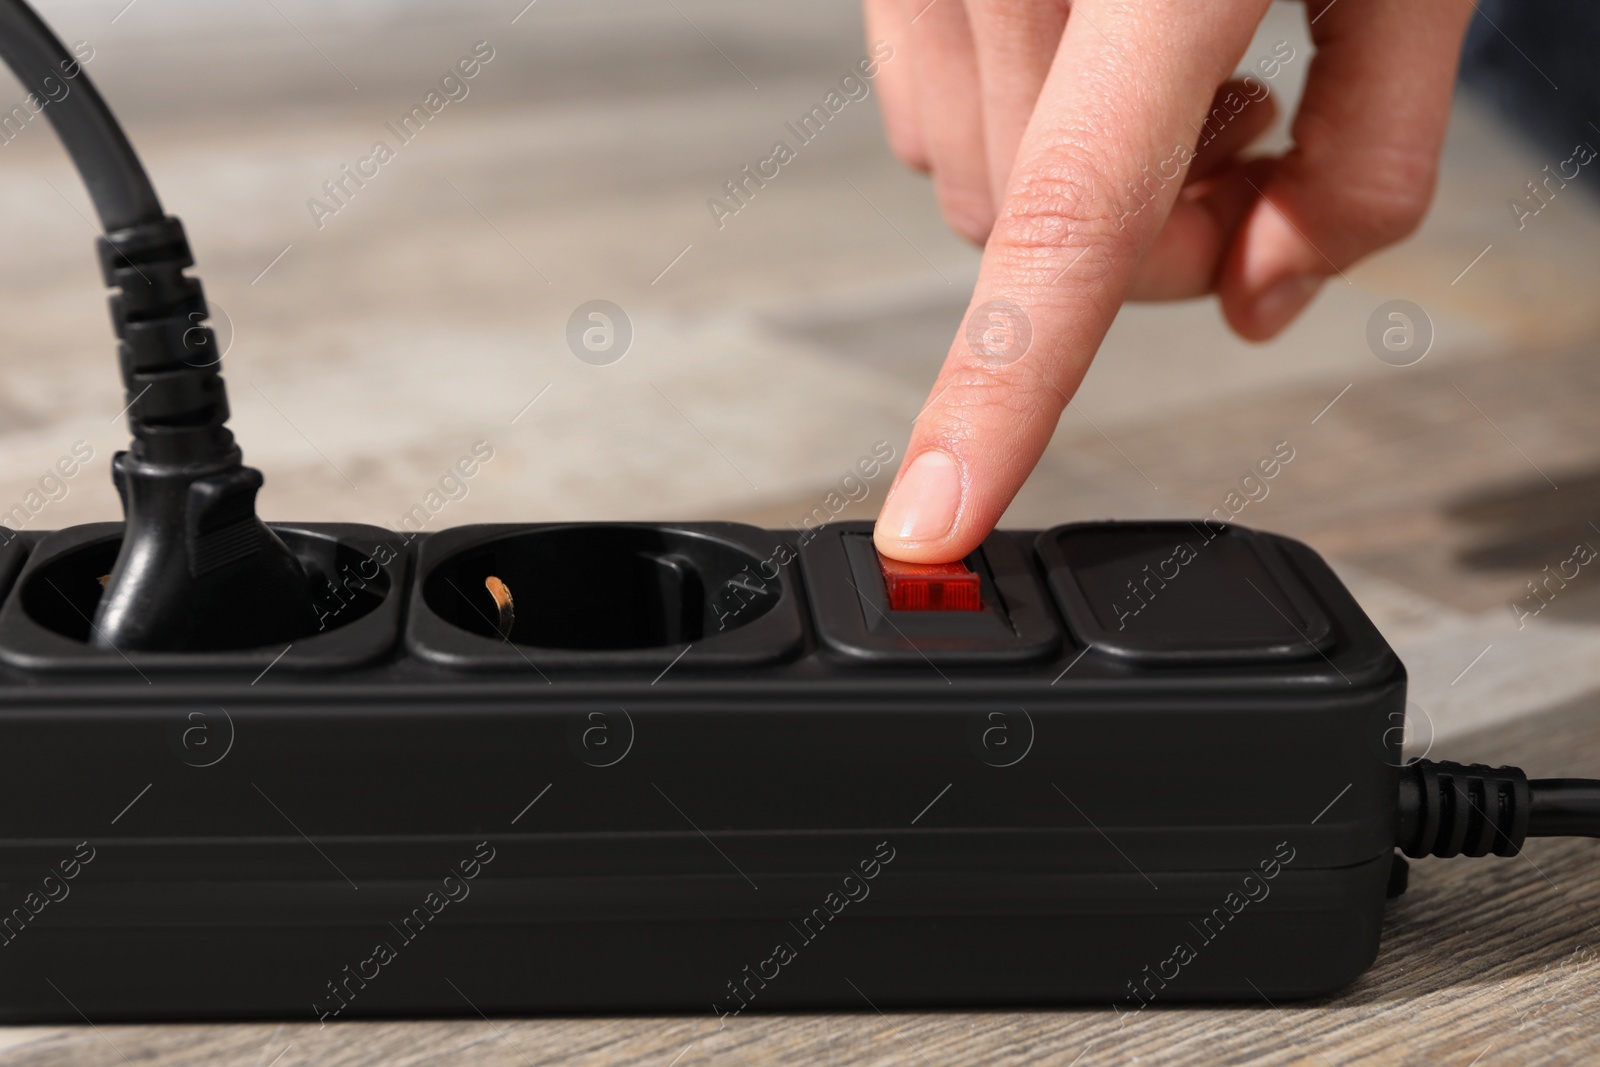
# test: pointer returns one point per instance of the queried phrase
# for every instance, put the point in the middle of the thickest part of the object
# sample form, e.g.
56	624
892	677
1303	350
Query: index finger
1099	168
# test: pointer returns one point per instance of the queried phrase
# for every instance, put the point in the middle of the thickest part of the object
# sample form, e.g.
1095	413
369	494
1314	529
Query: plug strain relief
1450	809
177	403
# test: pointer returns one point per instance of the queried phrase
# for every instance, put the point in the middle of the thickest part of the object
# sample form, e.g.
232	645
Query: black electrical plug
198	570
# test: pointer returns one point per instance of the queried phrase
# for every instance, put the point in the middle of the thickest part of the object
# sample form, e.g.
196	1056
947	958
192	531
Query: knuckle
1389	209
1372	197
981	401
1377	206
1062	201
1019	28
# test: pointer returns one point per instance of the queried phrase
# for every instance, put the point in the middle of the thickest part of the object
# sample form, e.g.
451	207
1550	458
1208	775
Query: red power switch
930	586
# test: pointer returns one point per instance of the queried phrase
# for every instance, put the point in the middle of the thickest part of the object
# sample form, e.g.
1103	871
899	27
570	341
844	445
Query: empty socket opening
600	587
62	595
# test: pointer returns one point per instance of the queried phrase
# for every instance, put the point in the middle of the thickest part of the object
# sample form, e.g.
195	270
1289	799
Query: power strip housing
711	772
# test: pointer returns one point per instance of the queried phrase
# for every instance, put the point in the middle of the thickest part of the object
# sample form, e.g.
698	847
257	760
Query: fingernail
923	505
1284	299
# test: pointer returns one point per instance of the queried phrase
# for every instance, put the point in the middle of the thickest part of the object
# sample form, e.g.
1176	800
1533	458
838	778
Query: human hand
1095	155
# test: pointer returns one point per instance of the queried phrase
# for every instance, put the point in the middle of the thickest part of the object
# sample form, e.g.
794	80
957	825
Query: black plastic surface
693	833
1174	592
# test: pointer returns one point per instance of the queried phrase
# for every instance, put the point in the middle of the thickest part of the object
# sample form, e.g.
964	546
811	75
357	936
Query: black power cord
1449	809
198	570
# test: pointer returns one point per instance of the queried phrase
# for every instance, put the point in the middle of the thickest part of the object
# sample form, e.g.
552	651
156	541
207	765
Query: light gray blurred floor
367	355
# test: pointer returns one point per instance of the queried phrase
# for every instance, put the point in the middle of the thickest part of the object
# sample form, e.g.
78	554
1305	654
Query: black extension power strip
623	806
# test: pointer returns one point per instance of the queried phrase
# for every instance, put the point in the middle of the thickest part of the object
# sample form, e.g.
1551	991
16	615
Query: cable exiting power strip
1450	809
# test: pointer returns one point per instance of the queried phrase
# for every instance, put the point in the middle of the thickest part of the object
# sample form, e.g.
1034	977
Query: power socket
1159	765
